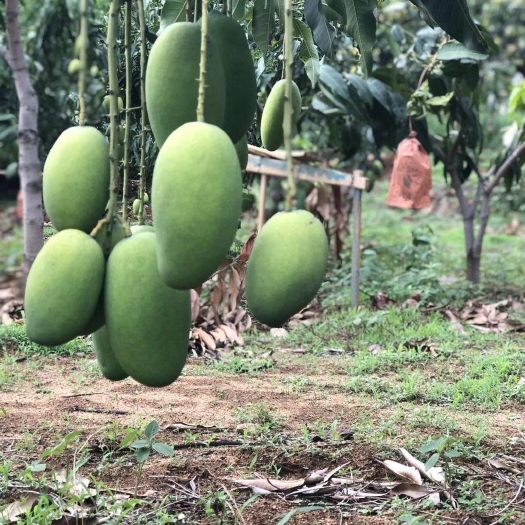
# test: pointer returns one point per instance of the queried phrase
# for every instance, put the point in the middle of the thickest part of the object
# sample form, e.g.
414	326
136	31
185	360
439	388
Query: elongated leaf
316	19
458	51
173	11
453	16
289	515
336	90
307	50
278	6
238	8
262	23
360	87
338	7
312	67
361	26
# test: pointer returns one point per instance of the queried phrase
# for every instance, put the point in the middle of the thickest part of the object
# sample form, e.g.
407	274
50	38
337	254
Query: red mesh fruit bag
411	176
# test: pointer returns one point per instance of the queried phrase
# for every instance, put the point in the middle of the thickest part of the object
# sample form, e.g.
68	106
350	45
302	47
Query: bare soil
54	396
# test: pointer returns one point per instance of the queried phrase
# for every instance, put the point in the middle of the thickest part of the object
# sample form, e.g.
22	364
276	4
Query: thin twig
499	513
83	395
202	72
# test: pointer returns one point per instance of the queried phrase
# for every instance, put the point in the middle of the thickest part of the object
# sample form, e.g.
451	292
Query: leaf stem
288	107
144	114
127	47
202	75
83	39
113	118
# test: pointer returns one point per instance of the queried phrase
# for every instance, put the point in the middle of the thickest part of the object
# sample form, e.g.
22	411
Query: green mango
241	147
98	320
172	80
141	228
239	73
63	287
76	179
196	202
107	362
272	134
148	322
286	267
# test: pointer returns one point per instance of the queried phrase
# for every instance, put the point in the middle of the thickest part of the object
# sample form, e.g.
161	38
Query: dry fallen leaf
403	471
434	474
13	510
501	465
271	485
411	490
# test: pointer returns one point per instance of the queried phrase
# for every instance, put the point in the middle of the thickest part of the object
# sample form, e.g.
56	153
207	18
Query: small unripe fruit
74	66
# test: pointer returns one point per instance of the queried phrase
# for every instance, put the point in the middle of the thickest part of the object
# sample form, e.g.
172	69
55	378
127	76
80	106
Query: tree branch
506	167
4	53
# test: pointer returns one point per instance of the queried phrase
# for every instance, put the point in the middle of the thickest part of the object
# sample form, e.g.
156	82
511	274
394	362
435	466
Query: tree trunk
473	267
29	168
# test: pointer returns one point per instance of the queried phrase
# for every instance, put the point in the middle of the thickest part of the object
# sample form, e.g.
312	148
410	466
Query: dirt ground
218	433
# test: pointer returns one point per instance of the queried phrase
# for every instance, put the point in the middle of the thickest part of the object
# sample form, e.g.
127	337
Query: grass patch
13	338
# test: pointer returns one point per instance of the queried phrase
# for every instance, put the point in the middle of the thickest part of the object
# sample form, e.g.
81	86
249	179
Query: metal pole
356	246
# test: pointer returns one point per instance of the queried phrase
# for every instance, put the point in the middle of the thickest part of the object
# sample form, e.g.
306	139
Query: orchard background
300	424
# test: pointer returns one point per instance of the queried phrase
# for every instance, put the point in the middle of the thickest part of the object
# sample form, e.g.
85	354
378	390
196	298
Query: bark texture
29	167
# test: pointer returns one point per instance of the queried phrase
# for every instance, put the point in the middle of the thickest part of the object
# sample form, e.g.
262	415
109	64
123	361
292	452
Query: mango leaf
335	89
316	19
441	101
173	11
458	51
361	26
337	8
238	8
307	50
453	16
262	24
278	6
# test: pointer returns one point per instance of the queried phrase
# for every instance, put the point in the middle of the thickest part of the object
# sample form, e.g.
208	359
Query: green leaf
361	26
262	24
173	11
441	101
312	67
130	436
316	19
238	9
458	51
435	444
307	50
300	510
151	429
56	451
338	7
434	458
278	6
162	448
452	453
336	90
142	454
140	443
453	16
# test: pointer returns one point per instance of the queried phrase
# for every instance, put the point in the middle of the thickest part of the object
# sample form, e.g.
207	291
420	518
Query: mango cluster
75	288
130	288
